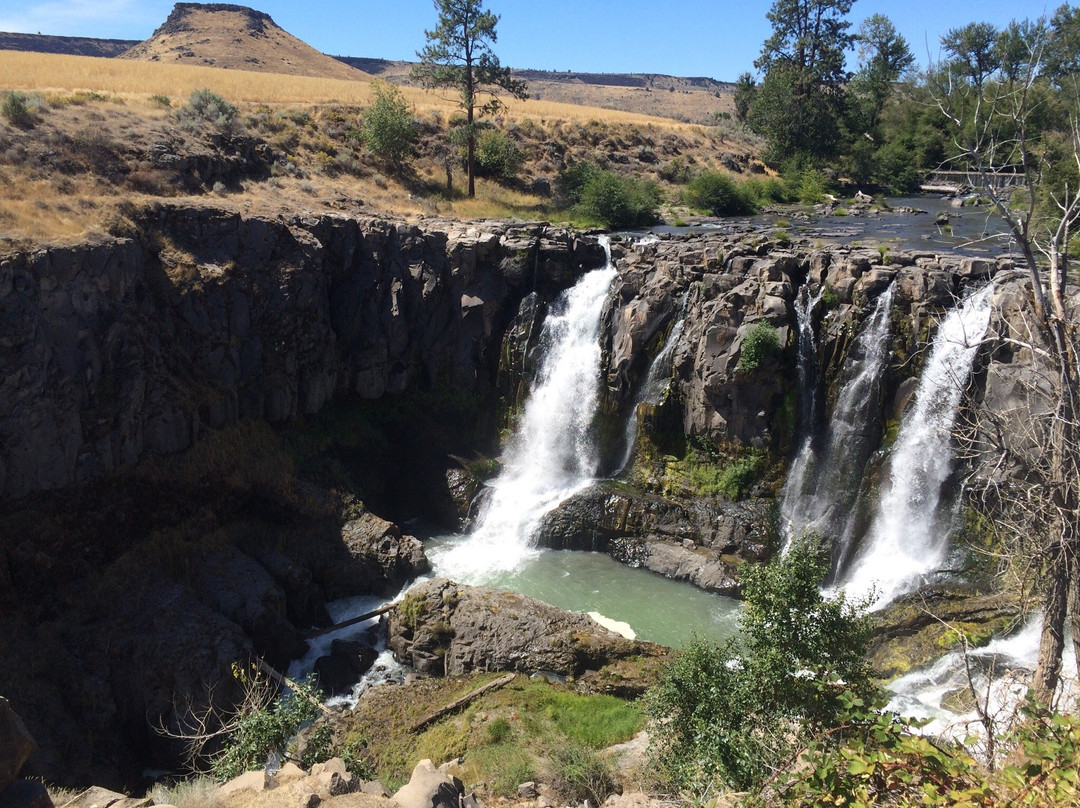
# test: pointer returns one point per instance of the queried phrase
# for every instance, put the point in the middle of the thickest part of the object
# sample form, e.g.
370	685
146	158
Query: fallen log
431	718
351	622
282	679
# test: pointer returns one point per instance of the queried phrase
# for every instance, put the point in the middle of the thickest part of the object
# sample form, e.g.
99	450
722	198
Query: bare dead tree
203	722
999	128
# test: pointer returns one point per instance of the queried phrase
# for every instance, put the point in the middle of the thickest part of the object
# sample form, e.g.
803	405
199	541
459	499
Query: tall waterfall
551	455
820	490
908	539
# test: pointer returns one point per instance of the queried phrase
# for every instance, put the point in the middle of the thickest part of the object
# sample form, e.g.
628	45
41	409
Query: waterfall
551	455
821	487
657	382
808	360
908	539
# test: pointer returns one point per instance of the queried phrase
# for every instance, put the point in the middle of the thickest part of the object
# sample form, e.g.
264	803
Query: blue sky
713	38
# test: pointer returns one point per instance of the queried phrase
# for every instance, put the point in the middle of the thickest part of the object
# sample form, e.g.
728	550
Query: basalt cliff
211	427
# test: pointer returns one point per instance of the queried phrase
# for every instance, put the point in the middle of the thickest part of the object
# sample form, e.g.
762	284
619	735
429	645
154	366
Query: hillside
70	45
691	100
237	38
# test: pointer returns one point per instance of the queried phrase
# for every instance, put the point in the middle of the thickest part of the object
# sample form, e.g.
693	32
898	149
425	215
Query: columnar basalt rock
121	348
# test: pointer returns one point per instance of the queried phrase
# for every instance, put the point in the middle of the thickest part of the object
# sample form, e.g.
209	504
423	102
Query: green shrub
578	773
811	187
16	109
719	194
497	156
881	759
571	181
732	713
768	191
676	171
161	100
388	129
614	201
265	732
207	108
732	480
760	345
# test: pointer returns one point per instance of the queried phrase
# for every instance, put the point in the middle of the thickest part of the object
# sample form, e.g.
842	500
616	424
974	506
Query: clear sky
716	38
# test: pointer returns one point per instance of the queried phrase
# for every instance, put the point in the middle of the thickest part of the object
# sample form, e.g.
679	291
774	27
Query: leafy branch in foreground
732	714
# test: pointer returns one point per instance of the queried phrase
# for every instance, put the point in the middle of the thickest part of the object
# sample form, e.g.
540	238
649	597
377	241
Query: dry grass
89	153
46	73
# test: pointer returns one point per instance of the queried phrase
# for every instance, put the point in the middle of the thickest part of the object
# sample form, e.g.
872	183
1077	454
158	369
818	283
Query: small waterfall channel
909	536
820	491
657	383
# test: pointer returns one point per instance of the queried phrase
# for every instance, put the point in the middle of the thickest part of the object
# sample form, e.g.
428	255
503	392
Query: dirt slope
235	37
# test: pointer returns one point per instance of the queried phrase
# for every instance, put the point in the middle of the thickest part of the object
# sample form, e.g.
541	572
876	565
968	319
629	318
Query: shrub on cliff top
719	194
205	107
614	201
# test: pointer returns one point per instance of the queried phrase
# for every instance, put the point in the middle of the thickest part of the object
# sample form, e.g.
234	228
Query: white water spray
551	455
908	539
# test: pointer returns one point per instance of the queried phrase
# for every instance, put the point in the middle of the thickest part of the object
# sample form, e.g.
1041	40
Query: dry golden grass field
100	125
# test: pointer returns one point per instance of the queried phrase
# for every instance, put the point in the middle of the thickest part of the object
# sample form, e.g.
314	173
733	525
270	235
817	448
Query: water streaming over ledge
821	488
657	383
908	539
551	455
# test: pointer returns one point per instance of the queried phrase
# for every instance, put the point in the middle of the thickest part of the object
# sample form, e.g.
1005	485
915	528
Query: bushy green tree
497	155
459	56
732	713
388	129
614	201
743	96
719	194
571	181
797	107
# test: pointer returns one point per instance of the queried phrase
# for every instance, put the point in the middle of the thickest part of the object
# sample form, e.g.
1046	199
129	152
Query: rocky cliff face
124	593
133	573
114	350
739	415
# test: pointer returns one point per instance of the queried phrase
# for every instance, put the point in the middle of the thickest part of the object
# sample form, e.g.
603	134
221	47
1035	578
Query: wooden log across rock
431	718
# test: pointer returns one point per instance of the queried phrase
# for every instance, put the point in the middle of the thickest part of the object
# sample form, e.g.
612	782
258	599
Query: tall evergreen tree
458	55
798	105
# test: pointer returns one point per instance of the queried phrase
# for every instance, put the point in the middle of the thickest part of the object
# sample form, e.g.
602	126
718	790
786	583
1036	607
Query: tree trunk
471	162
1052	640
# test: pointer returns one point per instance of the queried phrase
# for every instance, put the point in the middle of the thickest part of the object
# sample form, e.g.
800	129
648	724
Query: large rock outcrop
447	629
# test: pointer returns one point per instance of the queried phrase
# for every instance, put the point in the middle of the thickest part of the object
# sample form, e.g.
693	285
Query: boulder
430	788
380	559
344	666
442	628
97	797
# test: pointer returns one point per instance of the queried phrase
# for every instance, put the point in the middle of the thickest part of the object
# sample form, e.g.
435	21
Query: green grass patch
506	737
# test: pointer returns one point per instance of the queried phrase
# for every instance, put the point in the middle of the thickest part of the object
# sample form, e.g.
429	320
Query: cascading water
908	539
819	493
657	382
551	456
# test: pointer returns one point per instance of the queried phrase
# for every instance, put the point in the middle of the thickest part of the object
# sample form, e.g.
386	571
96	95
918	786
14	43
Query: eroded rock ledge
446	629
